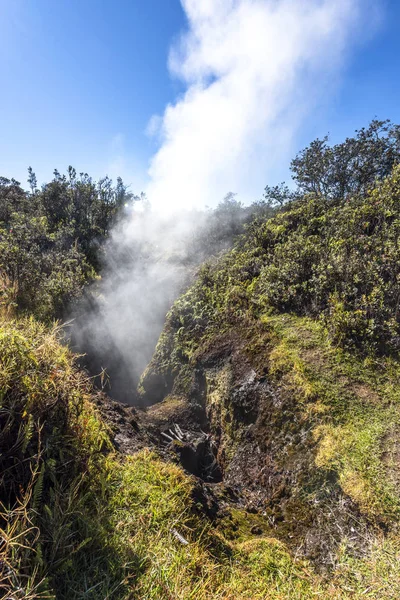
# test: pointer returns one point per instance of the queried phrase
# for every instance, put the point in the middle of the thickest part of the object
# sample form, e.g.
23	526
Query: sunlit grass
85	522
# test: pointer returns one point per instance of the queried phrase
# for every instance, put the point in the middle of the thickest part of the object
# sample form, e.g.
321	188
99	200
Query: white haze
252	69
119	324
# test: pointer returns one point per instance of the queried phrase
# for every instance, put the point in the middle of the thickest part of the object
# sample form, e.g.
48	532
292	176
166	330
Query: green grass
350	404
85	522
353	404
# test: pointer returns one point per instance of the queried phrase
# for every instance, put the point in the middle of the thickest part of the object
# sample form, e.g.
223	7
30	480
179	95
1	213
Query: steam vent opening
116	356
183	435
112	375
114	370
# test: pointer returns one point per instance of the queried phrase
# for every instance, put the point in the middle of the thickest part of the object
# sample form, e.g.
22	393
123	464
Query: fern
27	433
38	489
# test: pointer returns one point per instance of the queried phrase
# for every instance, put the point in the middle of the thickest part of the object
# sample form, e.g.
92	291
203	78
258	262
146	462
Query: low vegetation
337	262
79	521
51	239
288	344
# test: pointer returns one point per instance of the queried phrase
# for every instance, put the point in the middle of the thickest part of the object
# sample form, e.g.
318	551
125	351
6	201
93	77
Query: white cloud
253	69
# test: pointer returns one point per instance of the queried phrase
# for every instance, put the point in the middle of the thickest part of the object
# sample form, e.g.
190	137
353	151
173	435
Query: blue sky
80	81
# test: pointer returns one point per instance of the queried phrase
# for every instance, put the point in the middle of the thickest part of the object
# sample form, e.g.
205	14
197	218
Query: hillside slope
288	347
80	520
267	463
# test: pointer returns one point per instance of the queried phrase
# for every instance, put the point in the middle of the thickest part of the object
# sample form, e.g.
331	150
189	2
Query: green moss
89	523
241	526
80	521
352	403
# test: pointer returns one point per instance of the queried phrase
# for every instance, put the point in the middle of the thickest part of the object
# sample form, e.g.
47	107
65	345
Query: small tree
349	168
32	180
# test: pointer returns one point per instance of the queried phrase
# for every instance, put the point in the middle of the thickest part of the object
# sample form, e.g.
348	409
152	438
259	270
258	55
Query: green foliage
78	521
351	167
335	261
340	262
51	239
45	272
50	440
300	291
350	404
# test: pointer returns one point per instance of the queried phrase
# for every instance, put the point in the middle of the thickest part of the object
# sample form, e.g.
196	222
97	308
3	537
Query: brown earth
249	447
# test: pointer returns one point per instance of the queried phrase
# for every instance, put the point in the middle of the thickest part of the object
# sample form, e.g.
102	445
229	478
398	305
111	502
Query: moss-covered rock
289	344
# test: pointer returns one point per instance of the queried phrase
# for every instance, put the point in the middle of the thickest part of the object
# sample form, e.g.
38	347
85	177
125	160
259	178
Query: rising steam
251	70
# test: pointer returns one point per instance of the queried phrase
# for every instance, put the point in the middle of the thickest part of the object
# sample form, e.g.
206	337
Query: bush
50	441
335	261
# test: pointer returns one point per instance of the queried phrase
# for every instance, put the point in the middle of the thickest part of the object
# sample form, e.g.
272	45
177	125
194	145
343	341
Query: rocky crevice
249	447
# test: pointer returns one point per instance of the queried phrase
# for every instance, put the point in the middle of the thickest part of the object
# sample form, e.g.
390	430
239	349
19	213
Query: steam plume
252	68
